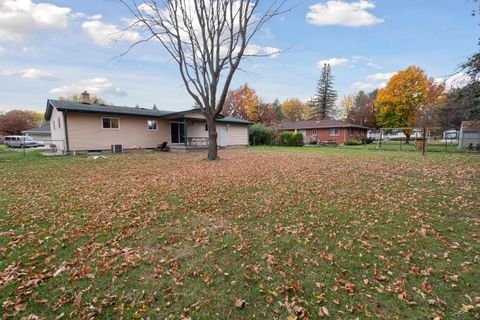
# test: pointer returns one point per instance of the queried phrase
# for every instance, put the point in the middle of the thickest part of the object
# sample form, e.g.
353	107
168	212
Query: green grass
402	146
363	234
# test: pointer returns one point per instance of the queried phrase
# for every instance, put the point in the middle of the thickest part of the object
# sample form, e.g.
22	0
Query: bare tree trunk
207	39
212	139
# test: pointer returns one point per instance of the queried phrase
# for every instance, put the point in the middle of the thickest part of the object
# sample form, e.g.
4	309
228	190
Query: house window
334	131
314	132
53	122
206	127
58	123
110	123
152	125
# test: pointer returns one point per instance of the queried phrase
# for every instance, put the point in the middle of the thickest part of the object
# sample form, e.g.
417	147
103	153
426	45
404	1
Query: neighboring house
91	127
389	134
323	130
469	134
450	136
40	134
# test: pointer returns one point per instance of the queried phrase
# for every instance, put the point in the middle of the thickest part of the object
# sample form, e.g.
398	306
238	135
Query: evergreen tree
277	109
323	106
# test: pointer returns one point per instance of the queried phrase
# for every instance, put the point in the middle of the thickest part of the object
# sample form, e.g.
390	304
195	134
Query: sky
52	48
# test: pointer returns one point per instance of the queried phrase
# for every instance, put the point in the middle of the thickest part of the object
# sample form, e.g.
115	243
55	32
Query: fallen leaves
239	303
323	312
308	234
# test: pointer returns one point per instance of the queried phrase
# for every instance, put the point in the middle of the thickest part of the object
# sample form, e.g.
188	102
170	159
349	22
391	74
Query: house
323	130
469	134
393	134
39	134
77	126
450	136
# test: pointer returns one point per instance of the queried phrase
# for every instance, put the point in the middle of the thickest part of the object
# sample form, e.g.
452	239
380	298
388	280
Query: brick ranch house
327	130
82	126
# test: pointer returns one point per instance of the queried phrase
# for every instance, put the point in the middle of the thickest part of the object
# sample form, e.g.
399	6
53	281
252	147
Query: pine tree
323	106
277	109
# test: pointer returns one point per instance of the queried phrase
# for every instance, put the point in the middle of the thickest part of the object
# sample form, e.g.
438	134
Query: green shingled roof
230	119
69	106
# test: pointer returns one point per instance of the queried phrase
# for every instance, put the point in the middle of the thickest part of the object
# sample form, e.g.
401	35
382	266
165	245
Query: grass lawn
265	233
435	146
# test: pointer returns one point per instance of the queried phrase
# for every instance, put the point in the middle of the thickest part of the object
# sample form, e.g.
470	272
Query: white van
21	141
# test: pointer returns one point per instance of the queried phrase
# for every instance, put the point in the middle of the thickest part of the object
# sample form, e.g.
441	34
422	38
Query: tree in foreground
323	103
207	40
405	96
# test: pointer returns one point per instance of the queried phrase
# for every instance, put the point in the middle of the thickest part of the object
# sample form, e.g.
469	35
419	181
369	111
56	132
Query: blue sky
51	48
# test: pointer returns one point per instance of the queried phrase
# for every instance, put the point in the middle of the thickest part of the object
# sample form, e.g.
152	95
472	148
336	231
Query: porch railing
197	141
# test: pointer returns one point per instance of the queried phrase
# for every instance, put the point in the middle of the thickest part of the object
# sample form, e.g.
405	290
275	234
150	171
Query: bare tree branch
208	40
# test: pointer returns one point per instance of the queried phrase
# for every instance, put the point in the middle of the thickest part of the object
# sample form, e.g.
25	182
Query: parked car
21	141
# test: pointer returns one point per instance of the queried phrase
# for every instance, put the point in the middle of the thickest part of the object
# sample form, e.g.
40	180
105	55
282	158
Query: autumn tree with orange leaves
294	110
407	95
243	103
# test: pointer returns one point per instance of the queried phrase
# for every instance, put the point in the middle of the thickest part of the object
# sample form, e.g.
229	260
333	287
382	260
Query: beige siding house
77	127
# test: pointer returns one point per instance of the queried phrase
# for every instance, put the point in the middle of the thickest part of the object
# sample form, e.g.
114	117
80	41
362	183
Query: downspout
185	131
66	131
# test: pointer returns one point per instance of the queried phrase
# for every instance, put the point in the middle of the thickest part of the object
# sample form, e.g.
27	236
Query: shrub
473	147
353	142
297	140
258	134
291	139
3	148
367	140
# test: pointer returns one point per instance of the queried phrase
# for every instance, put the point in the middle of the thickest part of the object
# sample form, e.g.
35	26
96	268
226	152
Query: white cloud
105	34
38	74
82	15
381	76
97	86
333	62
31	73
19	18
2	50
338	12
363	85
374	65
256	50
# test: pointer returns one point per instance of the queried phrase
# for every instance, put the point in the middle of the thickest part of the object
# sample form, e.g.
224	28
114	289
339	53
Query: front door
178	132
222	136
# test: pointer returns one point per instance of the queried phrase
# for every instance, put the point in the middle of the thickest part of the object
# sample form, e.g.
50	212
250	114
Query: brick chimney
85	97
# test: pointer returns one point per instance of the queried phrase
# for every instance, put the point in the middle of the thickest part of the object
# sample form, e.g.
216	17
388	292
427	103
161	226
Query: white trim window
59	126
334	132
314	132
152	125
111	123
